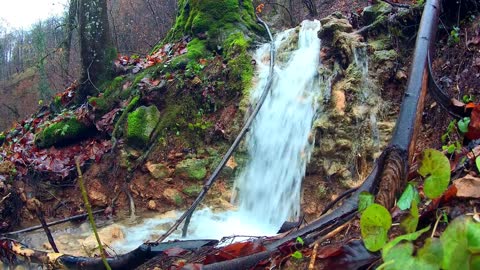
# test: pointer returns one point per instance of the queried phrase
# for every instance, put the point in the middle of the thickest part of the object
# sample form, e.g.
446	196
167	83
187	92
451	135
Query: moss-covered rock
384	55
61	133
194	169
192	190
213	20
371	13
140	125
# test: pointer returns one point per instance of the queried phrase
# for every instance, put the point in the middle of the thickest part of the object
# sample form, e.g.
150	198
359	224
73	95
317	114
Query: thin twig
46	229
90	214
5	197
311	266
72	218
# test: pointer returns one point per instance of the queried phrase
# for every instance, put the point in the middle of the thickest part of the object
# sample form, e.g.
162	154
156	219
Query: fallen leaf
468	187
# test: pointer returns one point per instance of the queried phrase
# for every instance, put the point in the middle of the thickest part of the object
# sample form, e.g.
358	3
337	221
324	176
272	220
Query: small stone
168	180
108	235
173	196
196	81
95	194
400	75
152	205
158	171
178	155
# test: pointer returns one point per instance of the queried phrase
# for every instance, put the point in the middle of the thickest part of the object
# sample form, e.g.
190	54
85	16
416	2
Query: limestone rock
152	205
158	171
95	194
173	196
108	236
384	55
371	13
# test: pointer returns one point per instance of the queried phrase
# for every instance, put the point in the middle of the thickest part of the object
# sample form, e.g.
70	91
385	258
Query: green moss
384	55
194	169
216	19
192	190
178	199
196	49
378	44
371	13
61	133
140	125
241	69
178	62
101	104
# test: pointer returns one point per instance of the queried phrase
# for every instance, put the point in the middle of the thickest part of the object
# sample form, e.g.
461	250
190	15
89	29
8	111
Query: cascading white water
269	186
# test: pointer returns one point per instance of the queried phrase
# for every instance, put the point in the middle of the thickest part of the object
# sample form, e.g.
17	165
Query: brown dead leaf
231	163
468	187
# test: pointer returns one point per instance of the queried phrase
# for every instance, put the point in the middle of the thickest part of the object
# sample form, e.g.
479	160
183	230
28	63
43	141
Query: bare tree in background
96	49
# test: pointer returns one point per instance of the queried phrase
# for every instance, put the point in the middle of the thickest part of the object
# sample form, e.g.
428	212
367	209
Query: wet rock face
350	130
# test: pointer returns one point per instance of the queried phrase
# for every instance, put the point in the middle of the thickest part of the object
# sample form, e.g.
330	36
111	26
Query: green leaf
409	224
407	197
400	258
461	243
297	255
463	124
436	168
365	199
374	224
409	237
300	240
477	162
431	252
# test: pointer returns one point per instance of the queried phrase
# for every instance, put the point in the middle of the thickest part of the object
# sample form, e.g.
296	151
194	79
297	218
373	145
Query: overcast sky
23	13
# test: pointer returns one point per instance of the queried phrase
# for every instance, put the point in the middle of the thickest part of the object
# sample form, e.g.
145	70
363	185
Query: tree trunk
96	50
212	22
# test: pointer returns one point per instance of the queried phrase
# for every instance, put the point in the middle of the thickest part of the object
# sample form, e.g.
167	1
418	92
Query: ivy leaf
300	240
436	168
409	237
477	162
461	244
410	194
297	255
400	257
374	224
365	199
409	224
463	124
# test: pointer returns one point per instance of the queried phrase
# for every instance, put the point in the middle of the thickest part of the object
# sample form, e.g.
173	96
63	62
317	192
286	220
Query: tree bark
96	50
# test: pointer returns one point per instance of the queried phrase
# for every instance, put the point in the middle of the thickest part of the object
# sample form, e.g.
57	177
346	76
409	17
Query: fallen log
13	252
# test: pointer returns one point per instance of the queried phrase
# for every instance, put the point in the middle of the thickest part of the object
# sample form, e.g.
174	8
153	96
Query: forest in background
35	63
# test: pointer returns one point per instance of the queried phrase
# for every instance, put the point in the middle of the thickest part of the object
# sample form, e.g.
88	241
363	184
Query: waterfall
278	144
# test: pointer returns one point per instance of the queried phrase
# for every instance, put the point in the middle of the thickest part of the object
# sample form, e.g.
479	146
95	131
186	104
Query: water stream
268	188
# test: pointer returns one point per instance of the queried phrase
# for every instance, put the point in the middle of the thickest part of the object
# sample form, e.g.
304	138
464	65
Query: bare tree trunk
96	50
